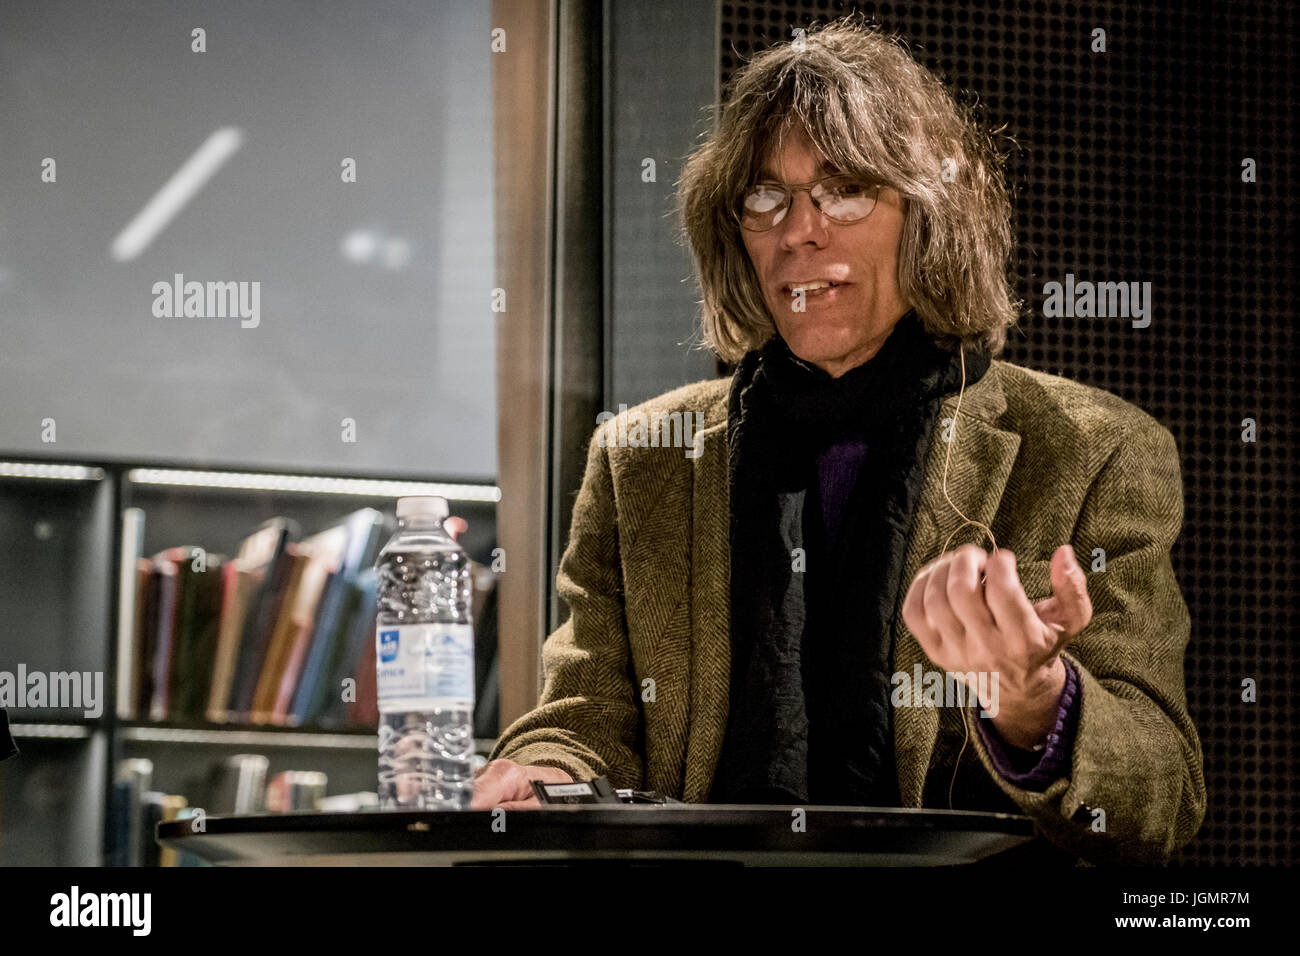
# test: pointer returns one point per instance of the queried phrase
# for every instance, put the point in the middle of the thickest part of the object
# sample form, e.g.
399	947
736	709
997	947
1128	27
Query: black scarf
810	718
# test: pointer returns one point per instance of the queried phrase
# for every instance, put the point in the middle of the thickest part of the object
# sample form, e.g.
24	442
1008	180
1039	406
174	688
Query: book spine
128	577
163	652
228	626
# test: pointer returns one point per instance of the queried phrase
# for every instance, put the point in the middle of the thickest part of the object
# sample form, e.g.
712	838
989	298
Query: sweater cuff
1035	769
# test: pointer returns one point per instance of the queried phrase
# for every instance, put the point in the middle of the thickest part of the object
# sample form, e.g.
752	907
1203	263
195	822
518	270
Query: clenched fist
969	612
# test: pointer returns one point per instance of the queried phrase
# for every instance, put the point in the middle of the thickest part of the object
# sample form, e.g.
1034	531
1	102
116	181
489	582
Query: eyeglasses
841	199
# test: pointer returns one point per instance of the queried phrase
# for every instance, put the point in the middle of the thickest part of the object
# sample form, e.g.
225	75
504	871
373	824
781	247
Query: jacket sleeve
587	721
1134	789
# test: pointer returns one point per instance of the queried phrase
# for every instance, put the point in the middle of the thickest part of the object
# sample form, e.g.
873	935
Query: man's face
841	327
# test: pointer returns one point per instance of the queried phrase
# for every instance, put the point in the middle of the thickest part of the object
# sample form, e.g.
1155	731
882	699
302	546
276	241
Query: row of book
236	785
282	633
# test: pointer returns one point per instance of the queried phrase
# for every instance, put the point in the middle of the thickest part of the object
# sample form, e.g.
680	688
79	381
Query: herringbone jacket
637	679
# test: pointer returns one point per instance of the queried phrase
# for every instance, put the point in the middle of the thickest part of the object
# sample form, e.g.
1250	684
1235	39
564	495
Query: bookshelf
61	597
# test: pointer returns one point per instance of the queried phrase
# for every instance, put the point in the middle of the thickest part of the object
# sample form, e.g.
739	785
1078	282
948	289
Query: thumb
1069	609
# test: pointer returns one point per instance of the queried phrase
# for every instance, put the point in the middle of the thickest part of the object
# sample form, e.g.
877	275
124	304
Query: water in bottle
424	652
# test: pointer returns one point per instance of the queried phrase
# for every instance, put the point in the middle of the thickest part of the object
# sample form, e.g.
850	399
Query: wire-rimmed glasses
842	199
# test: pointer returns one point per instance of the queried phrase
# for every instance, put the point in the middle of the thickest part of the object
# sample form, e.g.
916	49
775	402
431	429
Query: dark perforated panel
1128	168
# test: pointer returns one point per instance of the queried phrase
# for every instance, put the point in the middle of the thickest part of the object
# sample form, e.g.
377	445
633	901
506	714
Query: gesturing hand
965	624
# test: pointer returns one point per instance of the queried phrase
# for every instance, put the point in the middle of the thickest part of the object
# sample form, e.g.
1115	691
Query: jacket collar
982	456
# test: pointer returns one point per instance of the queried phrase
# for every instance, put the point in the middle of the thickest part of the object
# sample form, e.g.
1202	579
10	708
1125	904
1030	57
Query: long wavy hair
873	111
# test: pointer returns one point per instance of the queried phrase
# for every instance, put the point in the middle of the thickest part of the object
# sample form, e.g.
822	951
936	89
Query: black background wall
1127	166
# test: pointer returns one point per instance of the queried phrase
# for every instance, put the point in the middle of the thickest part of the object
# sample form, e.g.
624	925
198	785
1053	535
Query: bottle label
433	663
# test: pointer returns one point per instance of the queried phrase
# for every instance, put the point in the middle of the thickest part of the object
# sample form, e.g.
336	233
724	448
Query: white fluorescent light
176	193
251	738
67	731
244	737
24	469
310	484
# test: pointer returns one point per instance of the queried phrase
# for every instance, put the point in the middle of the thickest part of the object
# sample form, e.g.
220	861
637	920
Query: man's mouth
812	287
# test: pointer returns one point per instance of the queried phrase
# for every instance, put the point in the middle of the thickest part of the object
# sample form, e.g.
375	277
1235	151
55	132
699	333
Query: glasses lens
762	207
845	200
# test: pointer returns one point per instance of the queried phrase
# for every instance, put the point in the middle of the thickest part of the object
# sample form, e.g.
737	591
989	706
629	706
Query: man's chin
813	344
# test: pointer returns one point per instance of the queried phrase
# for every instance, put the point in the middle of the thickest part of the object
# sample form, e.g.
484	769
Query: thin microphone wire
965	725
947	457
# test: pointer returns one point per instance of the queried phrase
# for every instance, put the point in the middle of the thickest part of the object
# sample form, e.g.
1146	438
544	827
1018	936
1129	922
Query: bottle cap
424	506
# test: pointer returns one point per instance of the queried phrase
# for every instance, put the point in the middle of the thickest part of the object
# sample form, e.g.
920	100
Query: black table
628	833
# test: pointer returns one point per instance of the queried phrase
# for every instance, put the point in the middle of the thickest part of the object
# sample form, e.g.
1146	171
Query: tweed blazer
636	681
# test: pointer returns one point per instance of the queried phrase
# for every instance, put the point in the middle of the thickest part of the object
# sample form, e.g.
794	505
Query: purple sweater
837	469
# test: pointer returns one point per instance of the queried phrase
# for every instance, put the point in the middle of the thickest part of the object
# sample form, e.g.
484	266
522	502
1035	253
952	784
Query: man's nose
804	222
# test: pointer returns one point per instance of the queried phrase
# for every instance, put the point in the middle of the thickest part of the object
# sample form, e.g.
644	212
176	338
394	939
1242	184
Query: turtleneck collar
790	371
797	409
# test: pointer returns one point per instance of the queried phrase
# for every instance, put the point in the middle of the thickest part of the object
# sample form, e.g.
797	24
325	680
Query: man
764	621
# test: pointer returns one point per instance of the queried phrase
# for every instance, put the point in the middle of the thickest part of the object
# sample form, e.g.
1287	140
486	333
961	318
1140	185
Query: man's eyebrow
768	173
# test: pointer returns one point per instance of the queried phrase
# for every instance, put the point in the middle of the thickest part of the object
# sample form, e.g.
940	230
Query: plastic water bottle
424	652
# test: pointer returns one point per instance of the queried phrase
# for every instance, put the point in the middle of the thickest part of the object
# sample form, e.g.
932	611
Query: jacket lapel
981	461
710	608
982	455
